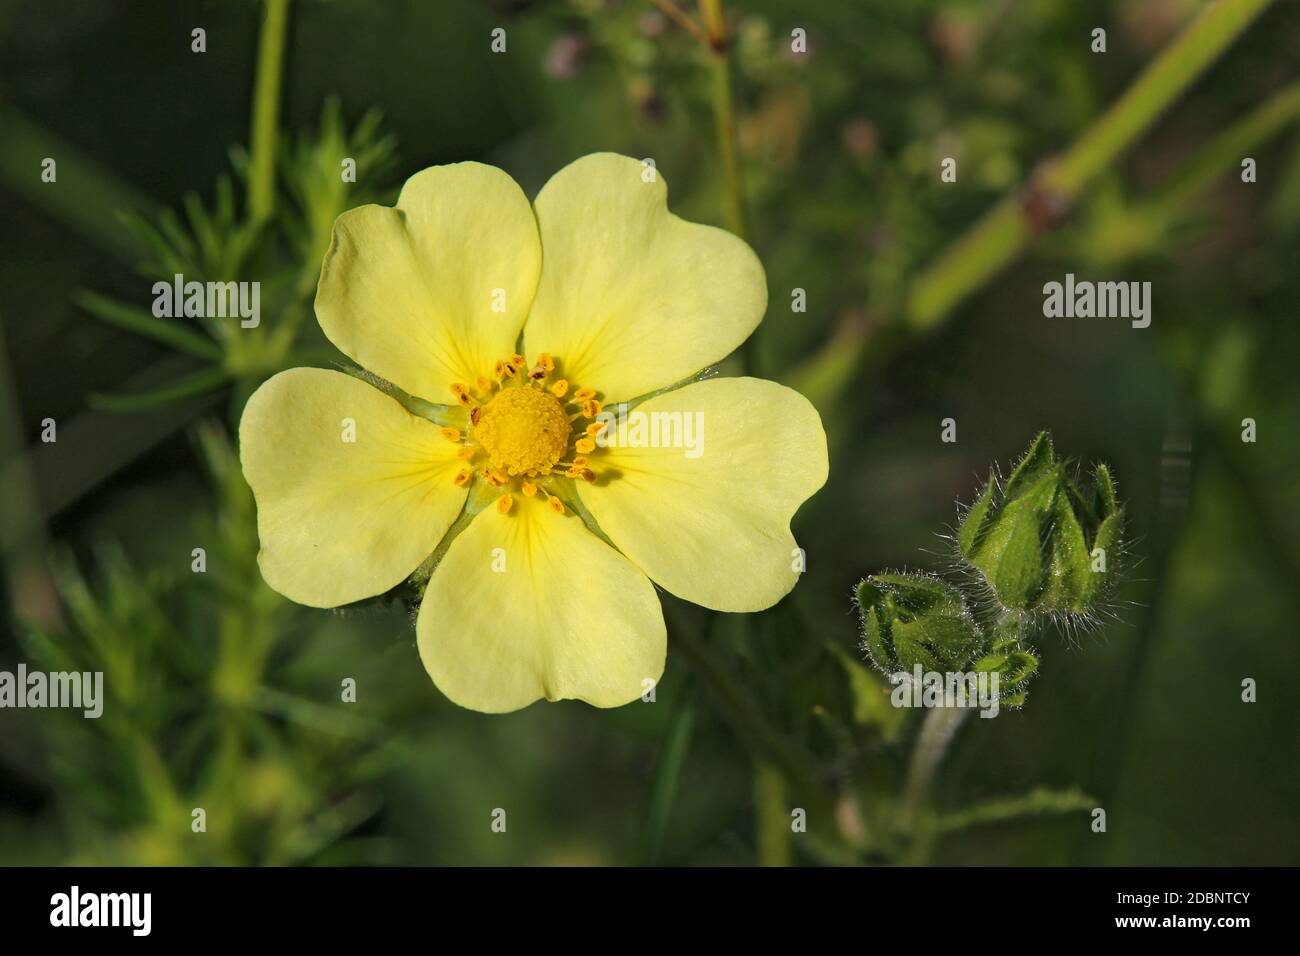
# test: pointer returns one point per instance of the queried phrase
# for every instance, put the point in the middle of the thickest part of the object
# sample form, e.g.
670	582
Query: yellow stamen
530	489
466	454
595	428
461	479
591	408
585	446
451	434
504	503
582	394
555	504
560	388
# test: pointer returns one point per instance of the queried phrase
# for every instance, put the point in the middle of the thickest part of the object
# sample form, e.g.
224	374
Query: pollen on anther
461	479
585	446
595	428
582	394
504	503
451	434
591	408
555	504
560	388
466	454
530	489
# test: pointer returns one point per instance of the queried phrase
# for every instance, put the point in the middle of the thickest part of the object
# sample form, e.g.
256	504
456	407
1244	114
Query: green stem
1229	148
266	110
1022	217
773	816
714	17
1018	219
763	741
672	756
937	733
728	155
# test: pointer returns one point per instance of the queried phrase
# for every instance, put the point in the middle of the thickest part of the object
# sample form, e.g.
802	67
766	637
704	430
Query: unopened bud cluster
1042	543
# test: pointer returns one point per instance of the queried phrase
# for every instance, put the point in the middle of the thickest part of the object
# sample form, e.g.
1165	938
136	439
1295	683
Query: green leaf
1037	462
178	390
974	522
1011	553
1109	538
1106	503
871	707
1069	567
167	331
1042	801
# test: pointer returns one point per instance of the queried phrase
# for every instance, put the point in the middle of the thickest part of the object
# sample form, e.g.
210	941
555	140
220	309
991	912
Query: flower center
523	430
524	427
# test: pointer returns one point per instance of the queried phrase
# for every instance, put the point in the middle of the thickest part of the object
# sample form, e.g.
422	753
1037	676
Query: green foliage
227	242
191	719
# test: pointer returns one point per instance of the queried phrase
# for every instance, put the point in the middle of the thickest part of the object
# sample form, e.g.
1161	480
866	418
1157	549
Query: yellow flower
529	327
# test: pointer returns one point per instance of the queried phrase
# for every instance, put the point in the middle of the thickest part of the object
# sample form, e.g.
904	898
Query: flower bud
910	619
1042	541
1014	664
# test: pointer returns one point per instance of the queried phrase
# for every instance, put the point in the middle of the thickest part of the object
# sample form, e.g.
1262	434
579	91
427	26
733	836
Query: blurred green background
222	695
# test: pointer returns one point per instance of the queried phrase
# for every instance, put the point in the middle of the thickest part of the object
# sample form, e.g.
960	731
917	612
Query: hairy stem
937	733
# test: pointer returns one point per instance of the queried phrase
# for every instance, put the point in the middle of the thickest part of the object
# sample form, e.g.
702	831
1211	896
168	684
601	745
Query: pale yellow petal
709	520
342	520
633	298
434	290
530	604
